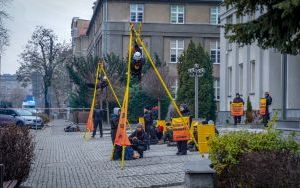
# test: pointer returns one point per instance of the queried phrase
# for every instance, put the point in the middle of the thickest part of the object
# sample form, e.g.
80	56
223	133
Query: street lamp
196	72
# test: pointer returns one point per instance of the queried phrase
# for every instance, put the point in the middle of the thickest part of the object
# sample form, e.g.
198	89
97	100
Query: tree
43	54
277	27
82	71
4	36
195	54
153	87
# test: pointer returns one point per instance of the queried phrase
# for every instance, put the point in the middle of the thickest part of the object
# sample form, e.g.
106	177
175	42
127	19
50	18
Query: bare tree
43	54
153	87
4	37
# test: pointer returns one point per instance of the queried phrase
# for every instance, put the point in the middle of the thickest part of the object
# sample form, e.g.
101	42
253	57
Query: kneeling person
138	140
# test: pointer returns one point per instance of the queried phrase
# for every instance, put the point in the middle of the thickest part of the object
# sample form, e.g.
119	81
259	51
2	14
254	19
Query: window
252	76
214	15
176	49
229	81
241	78
217	89
136	12
215	52
174	89
177	14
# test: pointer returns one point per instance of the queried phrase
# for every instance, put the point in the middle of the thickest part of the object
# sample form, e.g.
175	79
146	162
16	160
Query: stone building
168	27
251	71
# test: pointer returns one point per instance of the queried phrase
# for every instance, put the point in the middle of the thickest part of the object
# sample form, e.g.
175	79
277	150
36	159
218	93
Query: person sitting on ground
168	136
159	132
138	140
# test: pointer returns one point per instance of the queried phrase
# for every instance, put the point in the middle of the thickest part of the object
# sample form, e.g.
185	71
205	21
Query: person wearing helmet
137	63
103	82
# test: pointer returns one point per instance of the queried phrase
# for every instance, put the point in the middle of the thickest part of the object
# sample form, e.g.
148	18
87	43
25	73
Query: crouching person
139	140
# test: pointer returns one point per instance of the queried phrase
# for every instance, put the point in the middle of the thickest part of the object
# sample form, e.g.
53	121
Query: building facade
251	71
11	90
167	29
79	38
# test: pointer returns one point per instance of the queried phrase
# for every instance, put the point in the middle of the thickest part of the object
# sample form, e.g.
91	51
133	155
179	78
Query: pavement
67	160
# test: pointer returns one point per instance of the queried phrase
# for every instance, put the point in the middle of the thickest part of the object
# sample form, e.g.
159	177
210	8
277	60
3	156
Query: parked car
9	120
24	116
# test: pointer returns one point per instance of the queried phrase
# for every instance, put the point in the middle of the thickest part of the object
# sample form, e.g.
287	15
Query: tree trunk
46	102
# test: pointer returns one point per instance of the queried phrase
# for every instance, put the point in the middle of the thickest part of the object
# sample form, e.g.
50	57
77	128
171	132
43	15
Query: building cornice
100	2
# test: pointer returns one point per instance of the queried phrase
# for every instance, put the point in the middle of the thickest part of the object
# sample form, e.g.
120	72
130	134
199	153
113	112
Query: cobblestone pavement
66	160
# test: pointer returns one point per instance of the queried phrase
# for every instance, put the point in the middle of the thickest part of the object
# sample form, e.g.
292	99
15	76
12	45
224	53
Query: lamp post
196	72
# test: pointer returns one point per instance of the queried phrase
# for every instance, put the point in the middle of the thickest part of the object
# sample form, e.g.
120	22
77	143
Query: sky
27	14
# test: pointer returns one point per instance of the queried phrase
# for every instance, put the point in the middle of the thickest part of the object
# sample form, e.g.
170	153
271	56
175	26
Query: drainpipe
284	84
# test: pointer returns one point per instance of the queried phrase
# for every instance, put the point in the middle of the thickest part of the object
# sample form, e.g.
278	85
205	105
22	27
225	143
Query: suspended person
139	140
137	63
114	122
266	117
237	99
148	123
97	117
182	145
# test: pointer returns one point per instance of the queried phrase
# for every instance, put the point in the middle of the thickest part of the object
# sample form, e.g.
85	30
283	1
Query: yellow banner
237	109
181	128
263	106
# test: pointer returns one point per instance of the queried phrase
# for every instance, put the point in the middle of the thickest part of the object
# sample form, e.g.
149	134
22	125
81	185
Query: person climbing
266	117
137	62
103	82
237	99
114	122
182	145
97	117
138	140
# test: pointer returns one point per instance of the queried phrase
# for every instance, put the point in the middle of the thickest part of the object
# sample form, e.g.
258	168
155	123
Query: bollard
1	175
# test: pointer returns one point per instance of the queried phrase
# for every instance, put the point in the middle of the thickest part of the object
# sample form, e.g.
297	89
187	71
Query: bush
16	148
231	150
263	169
44	117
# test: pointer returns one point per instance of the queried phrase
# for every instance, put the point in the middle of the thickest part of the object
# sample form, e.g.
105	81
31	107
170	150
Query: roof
98	4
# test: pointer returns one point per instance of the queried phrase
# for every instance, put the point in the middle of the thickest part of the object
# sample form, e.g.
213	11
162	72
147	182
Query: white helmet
137	56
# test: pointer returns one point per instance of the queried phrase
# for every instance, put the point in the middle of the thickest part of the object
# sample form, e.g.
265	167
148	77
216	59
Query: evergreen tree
82	71
276	27
195	54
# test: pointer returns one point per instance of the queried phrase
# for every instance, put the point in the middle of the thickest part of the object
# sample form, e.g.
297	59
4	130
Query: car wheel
20	123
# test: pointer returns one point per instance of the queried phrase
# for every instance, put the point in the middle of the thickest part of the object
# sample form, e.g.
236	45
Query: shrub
226	149
249	113
44	117
263	169
16	148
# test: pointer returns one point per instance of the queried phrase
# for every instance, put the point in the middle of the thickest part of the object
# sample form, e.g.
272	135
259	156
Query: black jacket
97	115
141	136
114	121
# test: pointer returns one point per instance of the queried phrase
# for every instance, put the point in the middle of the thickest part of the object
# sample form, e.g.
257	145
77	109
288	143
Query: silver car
25	116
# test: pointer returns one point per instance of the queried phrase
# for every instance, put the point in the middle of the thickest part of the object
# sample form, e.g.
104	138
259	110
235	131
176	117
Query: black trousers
139	148
182	147
237	119
96	124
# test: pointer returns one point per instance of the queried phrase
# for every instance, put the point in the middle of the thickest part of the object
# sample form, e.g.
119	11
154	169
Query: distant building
79	38
168	27
251	71
11	90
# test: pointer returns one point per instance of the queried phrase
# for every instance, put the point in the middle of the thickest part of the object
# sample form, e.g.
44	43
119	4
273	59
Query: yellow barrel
205	133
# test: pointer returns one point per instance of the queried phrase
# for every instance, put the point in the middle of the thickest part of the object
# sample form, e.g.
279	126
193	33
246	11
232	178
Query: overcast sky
27	14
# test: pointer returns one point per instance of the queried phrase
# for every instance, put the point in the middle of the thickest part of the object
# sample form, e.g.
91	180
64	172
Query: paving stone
67	160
